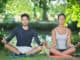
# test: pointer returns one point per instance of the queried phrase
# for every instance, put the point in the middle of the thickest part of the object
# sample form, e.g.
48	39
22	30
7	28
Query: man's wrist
41	44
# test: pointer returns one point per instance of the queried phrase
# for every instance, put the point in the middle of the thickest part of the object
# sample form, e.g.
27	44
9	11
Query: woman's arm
69	39
54	38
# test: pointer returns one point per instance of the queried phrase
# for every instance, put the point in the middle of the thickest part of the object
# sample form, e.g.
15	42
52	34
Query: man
24	35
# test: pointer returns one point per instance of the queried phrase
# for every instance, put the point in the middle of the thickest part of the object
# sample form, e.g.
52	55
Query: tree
17	7
73	11
2	5
42	6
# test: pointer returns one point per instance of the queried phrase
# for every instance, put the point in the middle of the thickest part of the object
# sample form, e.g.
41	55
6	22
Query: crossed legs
57	52
16	51
39	48
11	48
66	52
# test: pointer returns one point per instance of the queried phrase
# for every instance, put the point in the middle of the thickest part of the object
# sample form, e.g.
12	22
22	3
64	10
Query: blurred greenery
43	14
41	9
72	11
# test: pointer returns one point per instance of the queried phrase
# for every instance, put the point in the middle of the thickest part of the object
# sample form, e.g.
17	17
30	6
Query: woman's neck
61	26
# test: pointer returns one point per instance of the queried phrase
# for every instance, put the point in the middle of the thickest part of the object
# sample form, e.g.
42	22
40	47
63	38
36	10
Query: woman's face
61	20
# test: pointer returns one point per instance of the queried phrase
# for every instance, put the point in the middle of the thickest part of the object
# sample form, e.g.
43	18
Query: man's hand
3	41
44	43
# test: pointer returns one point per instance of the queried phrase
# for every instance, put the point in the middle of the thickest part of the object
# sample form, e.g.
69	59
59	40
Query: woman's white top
61	40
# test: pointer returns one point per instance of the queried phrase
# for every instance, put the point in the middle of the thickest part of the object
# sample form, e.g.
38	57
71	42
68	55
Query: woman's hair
61	14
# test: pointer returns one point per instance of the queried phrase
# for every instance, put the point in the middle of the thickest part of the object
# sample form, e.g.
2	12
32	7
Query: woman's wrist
71	45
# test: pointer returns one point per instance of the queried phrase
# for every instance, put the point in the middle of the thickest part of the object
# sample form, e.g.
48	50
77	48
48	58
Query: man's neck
25	27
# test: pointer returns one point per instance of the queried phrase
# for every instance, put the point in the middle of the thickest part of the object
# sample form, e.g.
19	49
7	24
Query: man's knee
3	41
6	45
39	48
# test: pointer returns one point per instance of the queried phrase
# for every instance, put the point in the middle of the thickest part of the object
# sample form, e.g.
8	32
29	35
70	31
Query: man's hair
61	14
25	15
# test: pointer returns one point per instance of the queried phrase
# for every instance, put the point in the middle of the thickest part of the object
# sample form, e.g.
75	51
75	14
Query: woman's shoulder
54	29
68	30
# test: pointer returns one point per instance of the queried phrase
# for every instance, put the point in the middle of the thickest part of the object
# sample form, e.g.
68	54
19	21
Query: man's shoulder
17	27
32	30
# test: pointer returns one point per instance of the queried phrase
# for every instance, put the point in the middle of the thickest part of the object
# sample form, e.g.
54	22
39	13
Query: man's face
24	21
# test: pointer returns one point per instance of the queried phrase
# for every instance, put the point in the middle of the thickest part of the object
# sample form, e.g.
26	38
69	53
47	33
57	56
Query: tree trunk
45	10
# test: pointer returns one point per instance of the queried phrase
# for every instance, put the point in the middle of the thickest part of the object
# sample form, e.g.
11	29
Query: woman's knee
52	49
73	49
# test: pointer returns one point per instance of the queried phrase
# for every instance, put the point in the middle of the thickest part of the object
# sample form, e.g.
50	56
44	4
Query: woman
61	37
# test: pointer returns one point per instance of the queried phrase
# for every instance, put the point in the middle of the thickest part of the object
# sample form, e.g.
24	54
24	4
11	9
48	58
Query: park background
43	18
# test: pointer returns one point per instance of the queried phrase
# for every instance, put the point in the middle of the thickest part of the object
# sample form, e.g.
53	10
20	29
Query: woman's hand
71	45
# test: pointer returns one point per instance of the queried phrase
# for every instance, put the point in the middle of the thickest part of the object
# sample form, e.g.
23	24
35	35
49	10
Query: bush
1	37
46	26
40	26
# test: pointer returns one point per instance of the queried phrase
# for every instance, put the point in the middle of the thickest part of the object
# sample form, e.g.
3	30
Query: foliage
2	5
41	26
21	6
1	37
73	12
44	8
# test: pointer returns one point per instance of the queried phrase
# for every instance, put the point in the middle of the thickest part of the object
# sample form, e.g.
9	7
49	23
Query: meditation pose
24	35
61	38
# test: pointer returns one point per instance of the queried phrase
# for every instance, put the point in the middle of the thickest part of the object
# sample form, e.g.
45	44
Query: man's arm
36	38
10	37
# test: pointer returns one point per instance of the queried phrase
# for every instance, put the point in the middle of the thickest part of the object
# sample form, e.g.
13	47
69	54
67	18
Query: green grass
4	55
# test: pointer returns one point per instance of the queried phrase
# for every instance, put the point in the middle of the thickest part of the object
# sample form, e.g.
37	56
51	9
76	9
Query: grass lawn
5	56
